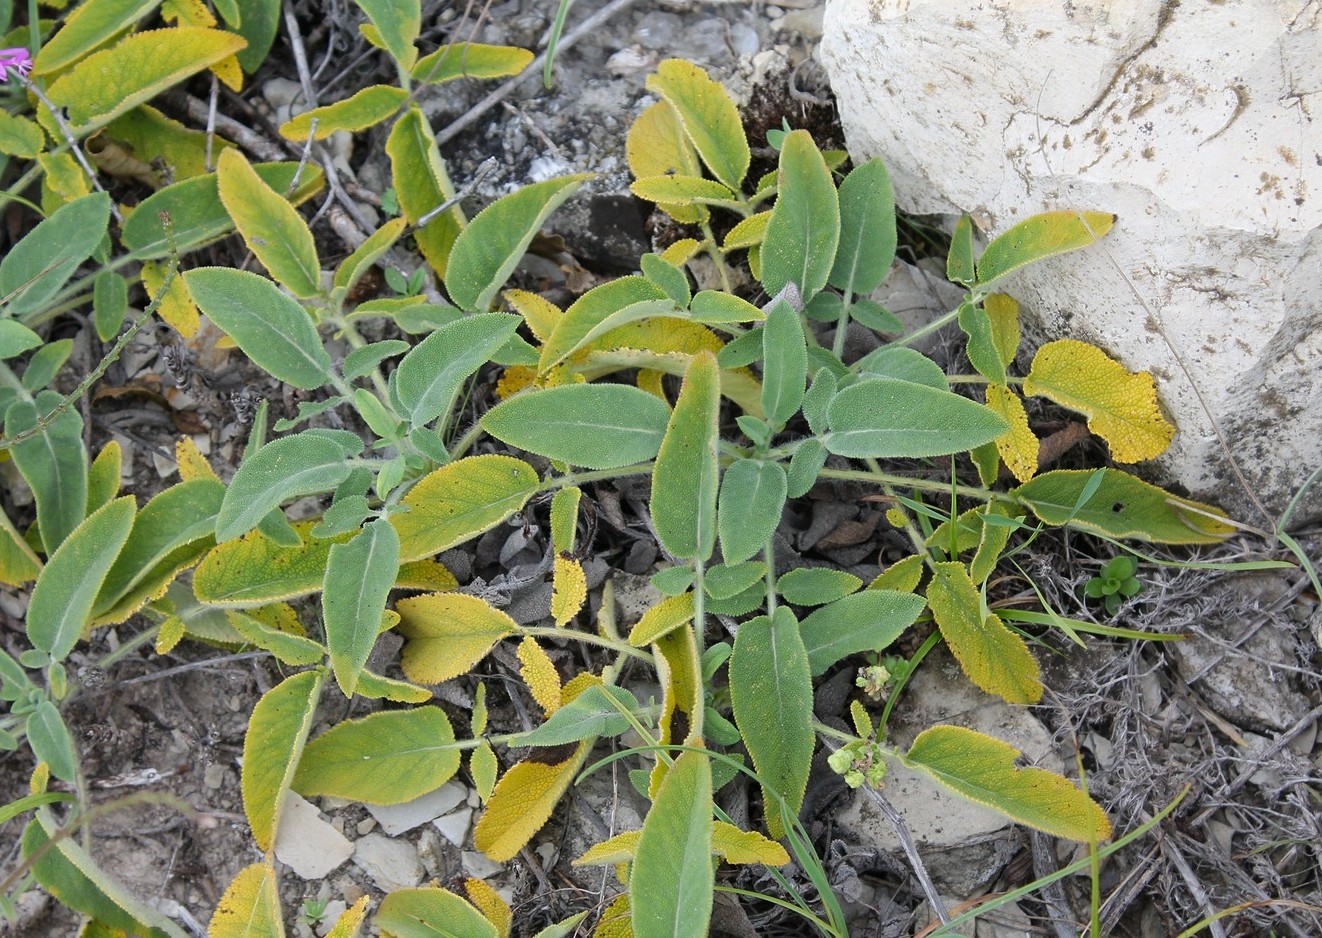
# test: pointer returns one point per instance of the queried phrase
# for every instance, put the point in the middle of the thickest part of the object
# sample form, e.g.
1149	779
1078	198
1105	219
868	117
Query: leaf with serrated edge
250	907
672	880
460	501
1122	506
359	577
708	116
539	673
771	691
800	243
86	28
65	593
1121	406
522	802
992	656
866	621
570	590
447	634
386	758
270	226
471	60
350	920
1040	237
272	745
1019	447
684	481
983	770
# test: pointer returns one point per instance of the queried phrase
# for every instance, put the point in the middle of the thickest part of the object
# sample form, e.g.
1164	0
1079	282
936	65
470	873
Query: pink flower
17	60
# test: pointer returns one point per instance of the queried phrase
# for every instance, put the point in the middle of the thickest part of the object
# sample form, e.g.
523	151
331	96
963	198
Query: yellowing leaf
460	501
108	83
617	920
992	656
187	13
617	849
250	907
681	252
657	146
1003	311
483	766
570	590
63	180
422	184
858	715
708	116
524	798
1019	446
271	227
490	904
277	730
471	60
663	618
1039	237
539	313
983	770
350	920
229	72
365	109
680	672
20	137
903	575
170	634
18	561
426	575
387	758
748	232
738	846
177	307
429	911
192	464
447	634
253	570
540	675
87	27
150	135
1121	406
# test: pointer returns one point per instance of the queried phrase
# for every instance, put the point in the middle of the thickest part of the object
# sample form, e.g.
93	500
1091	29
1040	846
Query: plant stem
933	326
621	647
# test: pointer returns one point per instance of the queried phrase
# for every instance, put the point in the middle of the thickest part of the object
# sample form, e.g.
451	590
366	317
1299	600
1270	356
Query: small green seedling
1115	583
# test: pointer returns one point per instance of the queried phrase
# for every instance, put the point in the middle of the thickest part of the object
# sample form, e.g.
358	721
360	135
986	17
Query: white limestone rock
1195	123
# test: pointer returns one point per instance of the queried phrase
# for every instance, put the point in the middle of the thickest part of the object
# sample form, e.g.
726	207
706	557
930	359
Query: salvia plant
762	412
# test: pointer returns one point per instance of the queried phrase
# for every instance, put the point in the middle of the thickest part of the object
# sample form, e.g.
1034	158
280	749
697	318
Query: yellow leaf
656	146
666	616
681	252
350	920
177	307
739	846
903	575
447	634
365	109
277	731
271	227
62	178
862	722
108	83
524	799
748	232
490	904
192	464
483	766
253	570
150	135
471	60
680	672
514	379
1018	447
229	72
1121	406
461	500
540	675
20	137
422	183
576	685
426	575
539	313
570	590
992	656
1003	312
187	13
170	634
250	907
617	920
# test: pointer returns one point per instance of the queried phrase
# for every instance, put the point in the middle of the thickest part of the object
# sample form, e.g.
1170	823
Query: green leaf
713	306
867	229
725	580
804	231
982	350
386	758
353	267
818	398
904	364
460	501
959	262
471	60
398	23
53	462
807	586
364	109
52	743
771	692
489	248
362	360
595	712
303	464
170	533
87	27
78	882
601	309
35	268
254	570
681	190
866	621
597	426
1040	237
1122	506
992	656
66	590
270	328
422	184
250	907
748	511
805	464
887	417
136	69
110	303
20	136
196	213
429	912
708	116
43	366
983	770
270	226
785	365
429	377
669	278
257	21
16	338
684	482
272	745
296	651
359	577
672	880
